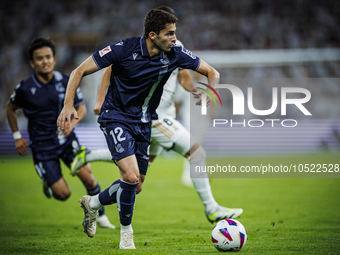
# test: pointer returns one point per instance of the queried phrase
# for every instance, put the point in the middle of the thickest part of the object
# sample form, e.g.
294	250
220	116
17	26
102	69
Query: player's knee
88	180
198	154
131	178
91	183
62	196
139	187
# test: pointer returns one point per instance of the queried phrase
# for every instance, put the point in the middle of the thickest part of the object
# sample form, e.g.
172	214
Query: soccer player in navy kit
41	96
140	68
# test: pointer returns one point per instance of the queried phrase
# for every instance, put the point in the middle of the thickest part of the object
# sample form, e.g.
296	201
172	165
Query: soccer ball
229	235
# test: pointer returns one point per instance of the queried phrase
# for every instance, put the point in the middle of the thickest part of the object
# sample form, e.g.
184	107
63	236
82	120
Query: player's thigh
60	189
86	176
128	167
48	170
171	135
129	145
120	139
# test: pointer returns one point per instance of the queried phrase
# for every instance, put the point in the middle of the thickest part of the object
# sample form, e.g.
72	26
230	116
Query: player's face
166	38
43	60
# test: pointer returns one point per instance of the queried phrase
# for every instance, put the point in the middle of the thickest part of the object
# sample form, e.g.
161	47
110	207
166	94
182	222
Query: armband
17	135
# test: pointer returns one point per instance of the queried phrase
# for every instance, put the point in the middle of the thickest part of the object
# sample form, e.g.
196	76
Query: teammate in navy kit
140	68
41	96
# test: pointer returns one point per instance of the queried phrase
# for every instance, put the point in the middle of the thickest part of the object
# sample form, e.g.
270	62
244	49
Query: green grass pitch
281	215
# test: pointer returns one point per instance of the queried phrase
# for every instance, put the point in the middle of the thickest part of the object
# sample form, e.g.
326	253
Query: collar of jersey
38	82
145	52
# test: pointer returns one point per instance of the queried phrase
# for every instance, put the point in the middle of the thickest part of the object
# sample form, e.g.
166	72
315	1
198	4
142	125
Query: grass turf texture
282	216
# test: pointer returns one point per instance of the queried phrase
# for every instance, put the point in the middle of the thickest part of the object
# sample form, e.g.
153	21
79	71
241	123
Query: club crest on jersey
33	90
104	51
119	148
165	60
59	87
134	55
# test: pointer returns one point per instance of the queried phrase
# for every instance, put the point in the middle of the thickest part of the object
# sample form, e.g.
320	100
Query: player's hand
198	94
68	131
64	119
97	107
21	146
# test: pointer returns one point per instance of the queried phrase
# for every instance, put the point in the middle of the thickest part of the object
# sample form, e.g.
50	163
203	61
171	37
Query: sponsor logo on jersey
189	53
119	148
105	51
33	90
59	87
165	60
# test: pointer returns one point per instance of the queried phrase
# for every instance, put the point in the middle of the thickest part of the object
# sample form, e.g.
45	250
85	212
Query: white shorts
169	134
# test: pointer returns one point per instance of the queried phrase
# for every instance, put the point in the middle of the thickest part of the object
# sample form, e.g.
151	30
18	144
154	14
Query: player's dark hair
166	8
156	20
38	43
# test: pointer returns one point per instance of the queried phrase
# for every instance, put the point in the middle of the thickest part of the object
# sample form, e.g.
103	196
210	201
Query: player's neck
152	49
44	78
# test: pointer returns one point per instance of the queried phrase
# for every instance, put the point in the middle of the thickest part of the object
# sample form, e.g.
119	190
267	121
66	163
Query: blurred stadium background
242	39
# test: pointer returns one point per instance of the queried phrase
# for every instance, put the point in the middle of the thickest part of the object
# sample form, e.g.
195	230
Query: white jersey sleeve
167	106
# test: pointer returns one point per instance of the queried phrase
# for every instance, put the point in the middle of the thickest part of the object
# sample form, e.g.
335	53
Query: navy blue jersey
137	80
42	104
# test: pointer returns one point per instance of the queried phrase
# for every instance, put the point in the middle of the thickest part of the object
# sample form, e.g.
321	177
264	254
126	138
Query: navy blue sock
109	196
93	192
126	197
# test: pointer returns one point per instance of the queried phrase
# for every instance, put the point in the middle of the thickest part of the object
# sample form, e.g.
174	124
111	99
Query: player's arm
86	68
213	78
81	112
185	79
207	70
20	143
102	88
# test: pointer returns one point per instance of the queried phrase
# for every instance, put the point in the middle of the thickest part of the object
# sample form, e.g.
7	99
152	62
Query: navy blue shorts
126	139
47	163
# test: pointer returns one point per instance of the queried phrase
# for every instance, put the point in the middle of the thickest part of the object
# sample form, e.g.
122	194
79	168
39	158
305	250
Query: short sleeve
78	99
16	97
109	55
186	59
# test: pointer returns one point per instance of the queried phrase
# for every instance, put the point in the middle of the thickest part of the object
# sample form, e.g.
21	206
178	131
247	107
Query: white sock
126	229
203	189
99	155
202	184
186	173
95	203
